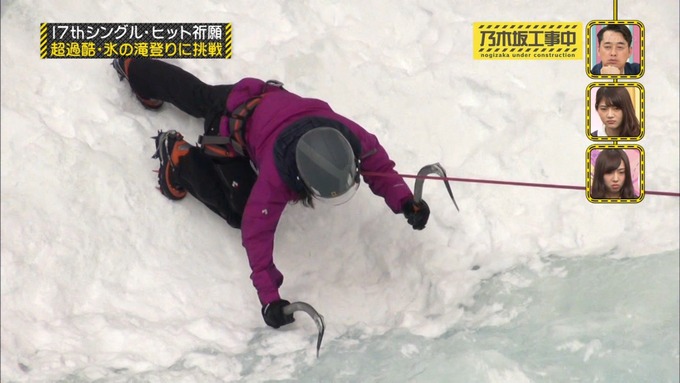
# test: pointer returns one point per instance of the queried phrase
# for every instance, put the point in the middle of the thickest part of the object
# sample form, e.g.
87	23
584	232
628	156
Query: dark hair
305	196
608	161
618	28
620	98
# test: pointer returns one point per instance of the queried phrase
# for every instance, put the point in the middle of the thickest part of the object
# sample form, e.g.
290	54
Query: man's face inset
614	50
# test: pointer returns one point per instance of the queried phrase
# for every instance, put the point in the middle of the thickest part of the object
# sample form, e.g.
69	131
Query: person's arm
596	69
260	218
393	189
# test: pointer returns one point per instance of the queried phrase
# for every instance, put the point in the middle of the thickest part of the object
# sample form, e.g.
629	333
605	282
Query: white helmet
327	165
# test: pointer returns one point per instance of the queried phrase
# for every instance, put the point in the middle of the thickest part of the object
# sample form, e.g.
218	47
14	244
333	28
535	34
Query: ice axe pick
318	318
426	170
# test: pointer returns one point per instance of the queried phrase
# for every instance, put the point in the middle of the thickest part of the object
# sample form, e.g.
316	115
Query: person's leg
224	191
154	79
238	176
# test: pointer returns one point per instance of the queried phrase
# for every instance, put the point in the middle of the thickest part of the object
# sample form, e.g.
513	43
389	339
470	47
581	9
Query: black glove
273	314
416	213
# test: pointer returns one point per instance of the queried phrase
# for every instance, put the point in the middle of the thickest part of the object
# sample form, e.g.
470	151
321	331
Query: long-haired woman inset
615	108
612	176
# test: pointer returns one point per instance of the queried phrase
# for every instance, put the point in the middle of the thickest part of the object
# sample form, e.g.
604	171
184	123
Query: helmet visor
338	199
327	165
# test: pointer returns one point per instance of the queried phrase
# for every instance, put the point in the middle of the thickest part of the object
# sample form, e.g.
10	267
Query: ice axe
318	318
435	168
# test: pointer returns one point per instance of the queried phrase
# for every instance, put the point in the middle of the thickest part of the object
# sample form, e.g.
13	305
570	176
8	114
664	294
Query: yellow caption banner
527	41
139	40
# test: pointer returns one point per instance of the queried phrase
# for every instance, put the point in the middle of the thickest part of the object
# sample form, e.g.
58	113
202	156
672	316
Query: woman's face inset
614	180
611	116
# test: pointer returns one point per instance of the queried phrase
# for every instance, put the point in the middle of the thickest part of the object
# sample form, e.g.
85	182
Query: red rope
513	183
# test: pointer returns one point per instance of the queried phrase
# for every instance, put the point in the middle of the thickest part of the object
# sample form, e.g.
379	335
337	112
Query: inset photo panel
615	49
615	111
615	173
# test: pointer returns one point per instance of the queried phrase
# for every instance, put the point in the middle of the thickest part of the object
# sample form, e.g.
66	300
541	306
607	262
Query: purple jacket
277	111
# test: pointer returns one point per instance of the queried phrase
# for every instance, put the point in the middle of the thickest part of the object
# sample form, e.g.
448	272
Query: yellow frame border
642	49
589	89
227	41
642	173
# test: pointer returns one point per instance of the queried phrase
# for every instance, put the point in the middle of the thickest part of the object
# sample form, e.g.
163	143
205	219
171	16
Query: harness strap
216	146
237	123
235	144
